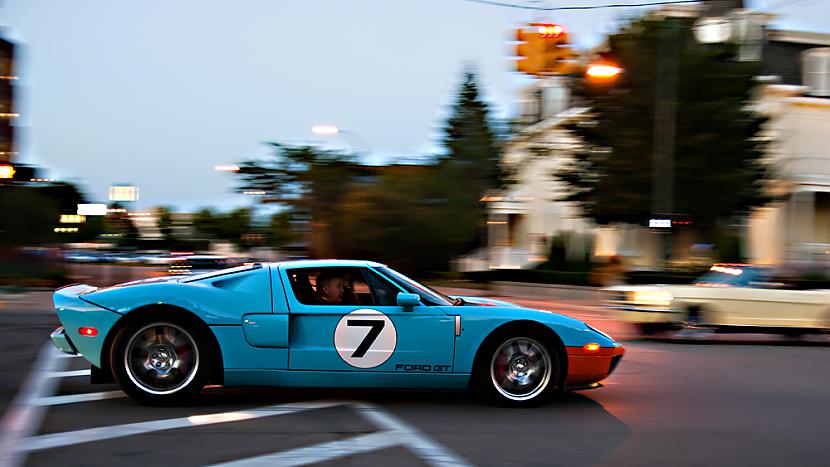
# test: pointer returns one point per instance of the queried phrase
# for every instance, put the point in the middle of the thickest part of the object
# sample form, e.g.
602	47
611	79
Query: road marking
395	432
320	452
26	413
69	374
69	438
75	398
429	451
23	417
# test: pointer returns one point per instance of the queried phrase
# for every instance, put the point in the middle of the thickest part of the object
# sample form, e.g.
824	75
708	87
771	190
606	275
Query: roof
310	263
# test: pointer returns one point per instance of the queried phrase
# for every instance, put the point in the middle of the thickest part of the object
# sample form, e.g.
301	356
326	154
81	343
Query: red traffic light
548	30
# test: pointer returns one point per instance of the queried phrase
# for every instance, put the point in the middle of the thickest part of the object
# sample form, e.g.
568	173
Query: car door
364	330
767	304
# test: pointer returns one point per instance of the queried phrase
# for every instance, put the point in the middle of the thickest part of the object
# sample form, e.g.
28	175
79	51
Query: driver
330	288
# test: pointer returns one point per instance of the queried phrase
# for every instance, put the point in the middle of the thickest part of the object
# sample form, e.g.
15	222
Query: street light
325	130
602	71
226	168
329	130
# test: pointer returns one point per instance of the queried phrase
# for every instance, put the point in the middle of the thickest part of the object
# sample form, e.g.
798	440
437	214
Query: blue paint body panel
237	353
221	300
75	313
263	330
267	337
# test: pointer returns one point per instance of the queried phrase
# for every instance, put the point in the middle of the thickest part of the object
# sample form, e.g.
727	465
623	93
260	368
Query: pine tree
472	153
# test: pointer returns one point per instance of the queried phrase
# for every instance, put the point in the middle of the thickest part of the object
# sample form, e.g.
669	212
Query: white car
729	298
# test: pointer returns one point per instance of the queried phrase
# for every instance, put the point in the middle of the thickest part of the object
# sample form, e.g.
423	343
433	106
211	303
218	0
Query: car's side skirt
346	379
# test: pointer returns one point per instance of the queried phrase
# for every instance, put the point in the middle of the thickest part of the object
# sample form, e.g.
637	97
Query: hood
482	301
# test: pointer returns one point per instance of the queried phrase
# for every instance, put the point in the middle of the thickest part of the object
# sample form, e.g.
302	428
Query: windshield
429	295
733	276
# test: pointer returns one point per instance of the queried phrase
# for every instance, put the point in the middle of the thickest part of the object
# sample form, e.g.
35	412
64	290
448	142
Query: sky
155	93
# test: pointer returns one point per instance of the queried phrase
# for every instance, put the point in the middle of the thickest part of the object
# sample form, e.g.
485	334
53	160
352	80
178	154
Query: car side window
384	292
330	286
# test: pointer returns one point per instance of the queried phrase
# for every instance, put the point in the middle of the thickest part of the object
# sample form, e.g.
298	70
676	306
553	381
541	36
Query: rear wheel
517	370
161	361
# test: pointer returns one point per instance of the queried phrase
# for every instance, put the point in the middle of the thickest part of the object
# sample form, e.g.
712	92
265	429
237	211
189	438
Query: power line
582	7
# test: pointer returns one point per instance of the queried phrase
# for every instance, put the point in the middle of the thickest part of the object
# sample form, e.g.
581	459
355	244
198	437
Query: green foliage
229	227
165	224
415	217
472	157
718	168
729	246
558	253
279	232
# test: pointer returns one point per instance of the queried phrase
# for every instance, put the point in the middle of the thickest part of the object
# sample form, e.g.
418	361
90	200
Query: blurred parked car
197	264
83	257
728	298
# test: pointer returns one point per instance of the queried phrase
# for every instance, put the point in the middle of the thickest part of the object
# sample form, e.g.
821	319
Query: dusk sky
157	92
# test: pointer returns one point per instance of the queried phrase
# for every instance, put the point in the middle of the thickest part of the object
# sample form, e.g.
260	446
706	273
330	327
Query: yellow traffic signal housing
543	50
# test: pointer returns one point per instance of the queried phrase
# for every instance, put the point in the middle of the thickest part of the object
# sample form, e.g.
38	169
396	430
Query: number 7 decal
375	325
365	338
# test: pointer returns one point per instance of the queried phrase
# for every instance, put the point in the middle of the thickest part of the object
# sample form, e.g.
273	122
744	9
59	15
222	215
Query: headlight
656	297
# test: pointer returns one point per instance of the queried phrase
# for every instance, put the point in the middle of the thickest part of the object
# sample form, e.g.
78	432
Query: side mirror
408	300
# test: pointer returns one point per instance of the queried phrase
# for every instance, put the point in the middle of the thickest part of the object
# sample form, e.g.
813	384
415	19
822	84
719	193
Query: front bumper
62	341
588	367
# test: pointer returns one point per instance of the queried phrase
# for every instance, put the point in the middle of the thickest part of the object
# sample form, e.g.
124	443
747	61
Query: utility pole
665	121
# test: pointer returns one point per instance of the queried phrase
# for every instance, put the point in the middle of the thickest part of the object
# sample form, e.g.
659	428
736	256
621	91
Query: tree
469	167
229	227
416	217
309	180
165	225
279	232
472	156
718	152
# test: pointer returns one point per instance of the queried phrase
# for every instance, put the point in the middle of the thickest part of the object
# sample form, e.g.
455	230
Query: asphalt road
758	401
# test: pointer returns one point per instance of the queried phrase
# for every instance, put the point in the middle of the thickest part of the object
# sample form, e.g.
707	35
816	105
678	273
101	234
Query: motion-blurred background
462	140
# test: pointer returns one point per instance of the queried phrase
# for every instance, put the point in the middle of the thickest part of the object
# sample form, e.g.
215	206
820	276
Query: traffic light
544	49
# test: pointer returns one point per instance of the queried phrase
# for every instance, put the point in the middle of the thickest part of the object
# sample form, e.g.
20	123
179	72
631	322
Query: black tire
162	360
517	368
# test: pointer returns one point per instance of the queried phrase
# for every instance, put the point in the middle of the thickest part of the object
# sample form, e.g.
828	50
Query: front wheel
517	371
160	362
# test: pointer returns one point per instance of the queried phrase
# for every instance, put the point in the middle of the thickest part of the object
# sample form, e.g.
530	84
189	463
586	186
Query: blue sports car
327	323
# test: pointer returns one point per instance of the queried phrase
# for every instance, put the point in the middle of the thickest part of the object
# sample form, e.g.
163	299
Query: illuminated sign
72	219
659	223
92	209
123	193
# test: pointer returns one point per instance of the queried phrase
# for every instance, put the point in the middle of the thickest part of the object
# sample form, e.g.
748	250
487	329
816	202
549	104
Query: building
8	148
795	229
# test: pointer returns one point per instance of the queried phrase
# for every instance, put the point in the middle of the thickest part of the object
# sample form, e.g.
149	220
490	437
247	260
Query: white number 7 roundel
365	338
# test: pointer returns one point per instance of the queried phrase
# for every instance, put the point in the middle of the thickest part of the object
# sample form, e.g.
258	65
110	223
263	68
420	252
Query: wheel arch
145	312
535	327
705	311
